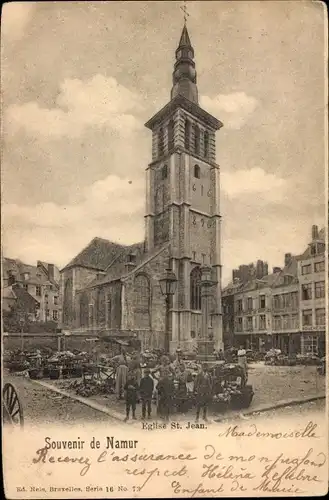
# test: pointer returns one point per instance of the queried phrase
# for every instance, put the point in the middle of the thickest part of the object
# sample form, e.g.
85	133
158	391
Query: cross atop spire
184	9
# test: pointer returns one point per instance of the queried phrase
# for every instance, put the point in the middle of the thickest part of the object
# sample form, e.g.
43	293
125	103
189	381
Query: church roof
117	270
98	254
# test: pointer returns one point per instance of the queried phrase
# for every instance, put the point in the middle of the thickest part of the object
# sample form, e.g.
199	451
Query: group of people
165	379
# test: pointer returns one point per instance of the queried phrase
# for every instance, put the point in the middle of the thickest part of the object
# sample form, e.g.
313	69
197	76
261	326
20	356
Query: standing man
203	391
242	361
165	390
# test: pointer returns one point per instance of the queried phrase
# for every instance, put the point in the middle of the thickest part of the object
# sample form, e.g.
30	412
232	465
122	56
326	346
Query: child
146	391
131	388
203	390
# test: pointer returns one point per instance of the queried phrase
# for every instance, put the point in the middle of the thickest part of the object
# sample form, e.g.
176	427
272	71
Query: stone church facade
115	288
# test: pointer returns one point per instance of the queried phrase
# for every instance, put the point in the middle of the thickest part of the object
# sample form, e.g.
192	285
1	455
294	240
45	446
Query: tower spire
184	75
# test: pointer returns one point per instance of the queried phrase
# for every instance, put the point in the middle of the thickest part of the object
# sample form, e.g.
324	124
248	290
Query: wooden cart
12	408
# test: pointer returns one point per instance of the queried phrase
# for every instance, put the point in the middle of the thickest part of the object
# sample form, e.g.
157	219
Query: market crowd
170	383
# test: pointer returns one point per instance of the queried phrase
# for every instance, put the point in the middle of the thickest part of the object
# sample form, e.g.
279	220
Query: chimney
259	269
287	258
276	270
265	273
315	232
51	271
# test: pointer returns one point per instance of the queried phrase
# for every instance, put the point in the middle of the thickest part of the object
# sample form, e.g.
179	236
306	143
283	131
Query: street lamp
168	284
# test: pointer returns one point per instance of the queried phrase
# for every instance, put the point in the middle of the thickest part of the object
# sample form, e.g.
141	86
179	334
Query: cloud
110	208
253	181
234	109
98	102
15	18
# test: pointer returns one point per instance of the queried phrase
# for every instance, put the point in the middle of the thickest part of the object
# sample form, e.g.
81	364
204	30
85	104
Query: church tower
182	200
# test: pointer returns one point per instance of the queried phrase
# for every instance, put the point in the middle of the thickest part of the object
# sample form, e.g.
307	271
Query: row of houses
285	309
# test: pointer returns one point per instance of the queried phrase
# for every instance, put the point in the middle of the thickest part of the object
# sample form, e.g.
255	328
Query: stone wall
152	269
30	341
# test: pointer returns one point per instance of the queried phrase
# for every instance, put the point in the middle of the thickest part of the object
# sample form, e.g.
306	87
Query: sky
80	79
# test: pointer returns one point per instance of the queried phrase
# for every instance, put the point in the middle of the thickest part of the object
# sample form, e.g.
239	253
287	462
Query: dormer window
197	171
131	258
288	280
164	172
26	276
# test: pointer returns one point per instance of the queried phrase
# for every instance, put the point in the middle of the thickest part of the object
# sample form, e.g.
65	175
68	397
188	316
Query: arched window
197	171
164	172
84	309
160	142
101	307
171	141
67	301
187	134
142	320
195	281
206	144
196	140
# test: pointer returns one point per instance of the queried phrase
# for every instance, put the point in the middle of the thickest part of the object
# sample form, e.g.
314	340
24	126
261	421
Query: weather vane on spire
184	9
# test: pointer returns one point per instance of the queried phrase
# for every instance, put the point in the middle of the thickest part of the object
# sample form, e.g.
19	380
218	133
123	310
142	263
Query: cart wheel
13	409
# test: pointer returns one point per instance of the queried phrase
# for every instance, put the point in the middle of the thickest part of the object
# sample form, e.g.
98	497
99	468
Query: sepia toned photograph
164	249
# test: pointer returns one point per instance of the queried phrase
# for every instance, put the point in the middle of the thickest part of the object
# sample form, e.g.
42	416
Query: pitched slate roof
100	254
25	300
117	268
37	275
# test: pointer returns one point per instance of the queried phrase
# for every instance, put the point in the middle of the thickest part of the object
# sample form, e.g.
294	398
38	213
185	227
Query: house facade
285	309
